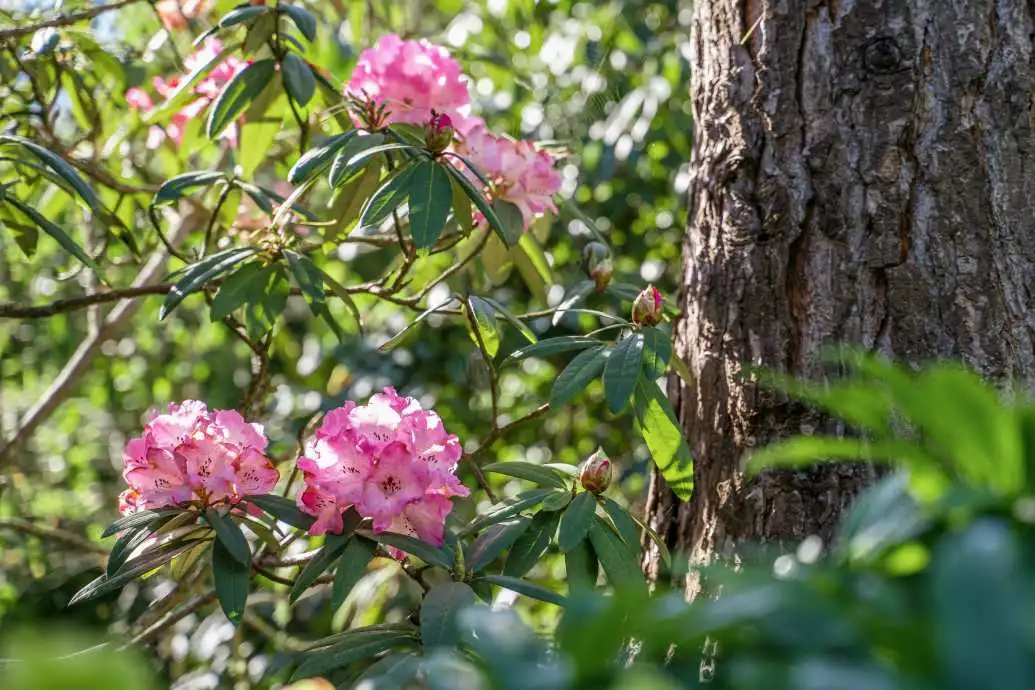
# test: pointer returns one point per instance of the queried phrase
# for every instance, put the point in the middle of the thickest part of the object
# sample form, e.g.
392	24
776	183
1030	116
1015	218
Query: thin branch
64	19
171	619
499	431
14	311
52	534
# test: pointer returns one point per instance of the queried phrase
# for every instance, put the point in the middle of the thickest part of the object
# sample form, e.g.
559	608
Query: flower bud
440	132
595	473
596	261
646	310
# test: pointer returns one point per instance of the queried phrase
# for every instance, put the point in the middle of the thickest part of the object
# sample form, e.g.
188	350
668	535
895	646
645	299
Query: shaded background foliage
606	81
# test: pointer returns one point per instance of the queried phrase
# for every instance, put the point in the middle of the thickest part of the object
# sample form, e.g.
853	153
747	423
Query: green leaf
508	508
185	88
580	567
582	369
283	509
310	281
397	338
664	438
575	521
232	579
61	168
528	247
197	275
533	544
627	528
229	534
341	170
511	228
461	208
478	198
680	367
174	188
553	346
657	351
66	242
558	500
241	15
621	564
484	318
430	201
302	18
438	613
388	197
333	547
145	563
353	564
237	94
298	79
574	296
316	159
143	518
259	33
415	547
623	371
525	587
491	543
391	672
350	650
511	319
125	546
26	233
528	471
237	289
882	517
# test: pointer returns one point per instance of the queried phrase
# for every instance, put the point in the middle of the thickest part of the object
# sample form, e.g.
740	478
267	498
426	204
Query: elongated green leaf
342	293
484	318
310	281
302	18
528	246
581	568
525	587
230	535
491	543
316	159
351	566
364	634
664	438
259	33
532	545
124	547
200	273
575	521
283	509
60	166
141	519
558	500
333	547
298	79
144	563
657	351
430	200
461	208
508	508
511	226
415	547
397	338
574	296
185	87
623	371
438	613
553	346
389	196
368	646
582	369
245	283
620	563
341	172
66	242
362	156
624	523
237	94
511	319
241	15
529	471
477	197
232	580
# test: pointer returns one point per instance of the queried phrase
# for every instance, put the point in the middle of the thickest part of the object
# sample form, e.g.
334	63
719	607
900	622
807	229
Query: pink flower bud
646	310
595	473
440	132
596	261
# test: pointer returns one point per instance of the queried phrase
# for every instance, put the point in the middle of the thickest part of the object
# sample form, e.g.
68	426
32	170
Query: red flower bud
596	261
646	310
595	473
440	132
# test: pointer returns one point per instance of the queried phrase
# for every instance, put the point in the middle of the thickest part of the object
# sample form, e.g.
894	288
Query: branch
52	534
14	311
64	19
499	431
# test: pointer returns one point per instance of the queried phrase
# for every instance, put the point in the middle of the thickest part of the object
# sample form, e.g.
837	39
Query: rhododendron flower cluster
390	459
206	91
191	456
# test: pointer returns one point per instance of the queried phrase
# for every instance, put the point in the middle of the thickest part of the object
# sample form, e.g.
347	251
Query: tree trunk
862	174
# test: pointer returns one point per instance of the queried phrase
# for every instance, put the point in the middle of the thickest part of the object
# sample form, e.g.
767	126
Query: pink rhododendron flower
411	78
390	459
190	455
175	14
206	90
520	173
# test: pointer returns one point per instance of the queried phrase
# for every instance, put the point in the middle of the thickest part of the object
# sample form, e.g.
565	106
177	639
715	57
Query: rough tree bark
862	173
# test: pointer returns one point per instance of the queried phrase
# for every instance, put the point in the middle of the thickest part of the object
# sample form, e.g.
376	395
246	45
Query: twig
170	619
499	431
52	534
64	19
14	311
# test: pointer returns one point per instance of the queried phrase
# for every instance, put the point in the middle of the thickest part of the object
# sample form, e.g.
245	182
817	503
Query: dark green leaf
883	516
461	208
525	587
391	672
302	18
512	320
491	543
576	520
298	79
574	296
584	367
144	563
430	200
415	547
243	284
333	547
241	15
238	93
508	508
129	541
529	471
532	545
438	612
259	33
558	500
66	242
388	197
283	509
397	338
372	149
197	275
174	188
316	159
141	519
60	166
580	567
553	346
623	371
624	523
484	318
621	564
231	579
310	281
230	535
351	566
341	172
511	223
657	351
664	438
351	650
478	198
